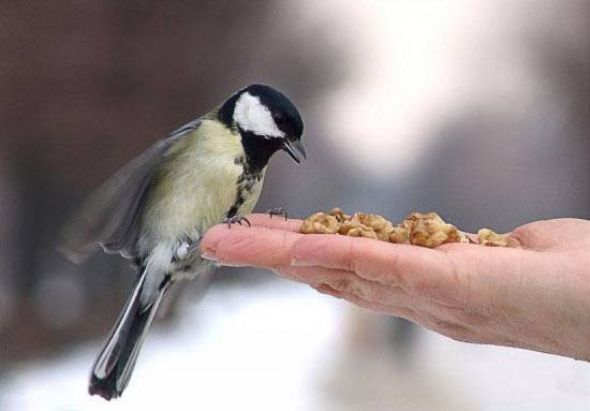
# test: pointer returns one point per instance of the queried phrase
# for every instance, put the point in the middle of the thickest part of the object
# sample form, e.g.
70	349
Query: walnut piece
490	238
320	223
340	216
429	230
368	225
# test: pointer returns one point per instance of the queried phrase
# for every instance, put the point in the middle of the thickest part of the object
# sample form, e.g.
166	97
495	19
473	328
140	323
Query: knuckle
357	290
446	327
341	284
468	317
350	286
327	289
427	286
451	330
397	274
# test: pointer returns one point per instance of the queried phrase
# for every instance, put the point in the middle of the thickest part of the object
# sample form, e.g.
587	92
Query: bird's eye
278	117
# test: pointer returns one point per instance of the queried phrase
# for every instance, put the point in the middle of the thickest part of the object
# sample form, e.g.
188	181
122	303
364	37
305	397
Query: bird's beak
295	149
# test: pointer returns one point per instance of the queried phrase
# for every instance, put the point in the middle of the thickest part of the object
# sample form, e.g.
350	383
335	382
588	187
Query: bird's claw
236	220
278	211
192	247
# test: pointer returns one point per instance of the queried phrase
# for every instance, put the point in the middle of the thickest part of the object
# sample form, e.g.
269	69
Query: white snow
275	346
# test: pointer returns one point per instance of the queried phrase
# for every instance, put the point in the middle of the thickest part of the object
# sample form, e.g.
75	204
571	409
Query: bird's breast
205	181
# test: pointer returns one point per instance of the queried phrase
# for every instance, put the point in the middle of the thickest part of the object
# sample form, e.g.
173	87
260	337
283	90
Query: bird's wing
110	216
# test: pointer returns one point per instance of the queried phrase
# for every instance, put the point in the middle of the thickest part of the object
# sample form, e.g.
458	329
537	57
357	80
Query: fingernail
209	256
230	264
295	262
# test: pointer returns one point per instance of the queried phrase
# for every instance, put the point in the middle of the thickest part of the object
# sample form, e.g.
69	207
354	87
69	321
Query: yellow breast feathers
197	184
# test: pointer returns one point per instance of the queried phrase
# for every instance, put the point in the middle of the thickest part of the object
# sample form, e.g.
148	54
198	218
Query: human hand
534	297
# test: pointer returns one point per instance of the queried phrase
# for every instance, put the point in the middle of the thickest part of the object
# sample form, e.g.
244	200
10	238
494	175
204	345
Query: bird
155	209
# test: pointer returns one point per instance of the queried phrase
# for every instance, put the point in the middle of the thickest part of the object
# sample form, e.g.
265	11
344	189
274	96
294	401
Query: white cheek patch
251	115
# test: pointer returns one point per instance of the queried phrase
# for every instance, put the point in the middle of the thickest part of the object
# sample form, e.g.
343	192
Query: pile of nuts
427	230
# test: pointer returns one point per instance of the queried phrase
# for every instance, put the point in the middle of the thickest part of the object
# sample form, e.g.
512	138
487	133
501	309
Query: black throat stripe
258	150
245	184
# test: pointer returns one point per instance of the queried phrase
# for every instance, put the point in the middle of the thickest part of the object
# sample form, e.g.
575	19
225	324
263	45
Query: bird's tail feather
114	365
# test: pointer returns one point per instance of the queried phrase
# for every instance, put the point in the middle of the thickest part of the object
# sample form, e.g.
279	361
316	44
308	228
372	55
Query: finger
447	328
419	270
264	220
552	234
402	312
257	246
349	283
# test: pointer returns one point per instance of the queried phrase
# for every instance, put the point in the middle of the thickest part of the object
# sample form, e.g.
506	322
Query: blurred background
477	110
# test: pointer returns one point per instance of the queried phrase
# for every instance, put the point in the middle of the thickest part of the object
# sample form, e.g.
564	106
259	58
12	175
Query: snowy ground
282	346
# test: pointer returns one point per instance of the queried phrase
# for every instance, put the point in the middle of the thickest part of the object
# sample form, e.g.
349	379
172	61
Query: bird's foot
278	211
185	248
236	220
192	247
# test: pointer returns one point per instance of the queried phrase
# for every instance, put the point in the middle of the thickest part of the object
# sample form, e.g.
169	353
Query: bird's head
267	120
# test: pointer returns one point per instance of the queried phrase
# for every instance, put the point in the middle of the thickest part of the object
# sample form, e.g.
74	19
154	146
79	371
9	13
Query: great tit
155	209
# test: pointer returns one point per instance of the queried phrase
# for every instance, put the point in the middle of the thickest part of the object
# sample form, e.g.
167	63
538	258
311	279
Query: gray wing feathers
111	215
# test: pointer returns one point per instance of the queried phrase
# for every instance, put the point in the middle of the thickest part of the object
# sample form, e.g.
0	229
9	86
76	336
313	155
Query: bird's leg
186	247
236	220
278	211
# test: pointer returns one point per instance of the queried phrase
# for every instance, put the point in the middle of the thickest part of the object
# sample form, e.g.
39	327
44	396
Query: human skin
535	297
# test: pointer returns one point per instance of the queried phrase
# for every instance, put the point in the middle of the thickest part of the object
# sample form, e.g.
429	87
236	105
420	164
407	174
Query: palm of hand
532	297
